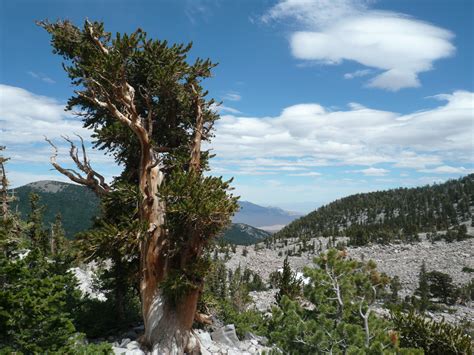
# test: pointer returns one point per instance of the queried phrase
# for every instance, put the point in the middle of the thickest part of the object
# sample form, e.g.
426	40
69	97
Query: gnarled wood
92	178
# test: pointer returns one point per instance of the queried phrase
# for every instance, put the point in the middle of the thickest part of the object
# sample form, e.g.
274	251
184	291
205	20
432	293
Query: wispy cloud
309	173
197	10
232	96
42	77
358	74
336	30
225	109
372	171
447	170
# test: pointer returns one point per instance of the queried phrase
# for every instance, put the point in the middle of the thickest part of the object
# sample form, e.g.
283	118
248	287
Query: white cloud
232	96
358	74
313	13
25	118
399	45
310	173
310	135
446	169
372	171
412	160
42	77
221	109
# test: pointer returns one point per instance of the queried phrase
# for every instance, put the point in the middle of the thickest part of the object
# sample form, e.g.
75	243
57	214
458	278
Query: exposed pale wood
92	179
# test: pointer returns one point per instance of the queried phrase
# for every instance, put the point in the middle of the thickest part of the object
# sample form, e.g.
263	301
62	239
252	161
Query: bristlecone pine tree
146	106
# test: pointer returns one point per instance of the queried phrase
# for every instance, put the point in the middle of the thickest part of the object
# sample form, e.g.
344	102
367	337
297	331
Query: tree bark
167	325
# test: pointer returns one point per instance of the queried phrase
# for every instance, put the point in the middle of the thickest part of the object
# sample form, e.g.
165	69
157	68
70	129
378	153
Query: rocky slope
222	341
402	260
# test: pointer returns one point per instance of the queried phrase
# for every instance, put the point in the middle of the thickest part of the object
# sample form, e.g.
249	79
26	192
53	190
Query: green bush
436	338
35	304
335	316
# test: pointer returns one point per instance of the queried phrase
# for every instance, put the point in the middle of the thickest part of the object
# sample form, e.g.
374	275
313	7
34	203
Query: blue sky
321	98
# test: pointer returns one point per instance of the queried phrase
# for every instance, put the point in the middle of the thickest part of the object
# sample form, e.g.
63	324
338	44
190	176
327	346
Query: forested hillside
383	216
78	206
243	234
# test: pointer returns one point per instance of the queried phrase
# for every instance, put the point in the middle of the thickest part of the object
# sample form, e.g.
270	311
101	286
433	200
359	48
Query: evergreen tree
441	286
289	285
423	290
58	240
37	234
340	320
147	107
395	287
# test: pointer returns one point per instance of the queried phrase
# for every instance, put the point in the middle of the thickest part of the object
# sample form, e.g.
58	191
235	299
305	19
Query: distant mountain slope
402	210
243	234
259	216
78	207
77	204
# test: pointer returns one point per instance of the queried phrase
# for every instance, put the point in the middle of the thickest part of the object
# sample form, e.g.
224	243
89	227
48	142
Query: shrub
436	338
35	304
335	316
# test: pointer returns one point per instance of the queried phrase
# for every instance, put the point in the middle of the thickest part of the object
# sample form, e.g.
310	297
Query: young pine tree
58	242
38	236
423	290
288	283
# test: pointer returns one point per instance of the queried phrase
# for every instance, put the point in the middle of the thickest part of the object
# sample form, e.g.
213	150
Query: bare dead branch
90	30
92	179
195	159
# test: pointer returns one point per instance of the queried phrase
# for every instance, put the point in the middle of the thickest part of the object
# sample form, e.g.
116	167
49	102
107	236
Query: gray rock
204	339
119	351
133	345
255	339
124	342
226	335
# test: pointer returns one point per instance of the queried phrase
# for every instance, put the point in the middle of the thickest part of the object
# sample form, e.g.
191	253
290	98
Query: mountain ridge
58	196
402	210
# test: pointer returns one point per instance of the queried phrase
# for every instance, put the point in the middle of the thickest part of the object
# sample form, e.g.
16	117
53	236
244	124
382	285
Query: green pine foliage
441	286
436	338
113	240
287	283
336	317
226	295
34	303
40	304
423	290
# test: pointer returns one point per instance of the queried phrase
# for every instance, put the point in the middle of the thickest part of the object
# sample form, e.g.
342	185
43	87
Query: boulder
226	335
255	339
133	345
204	339
119	351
